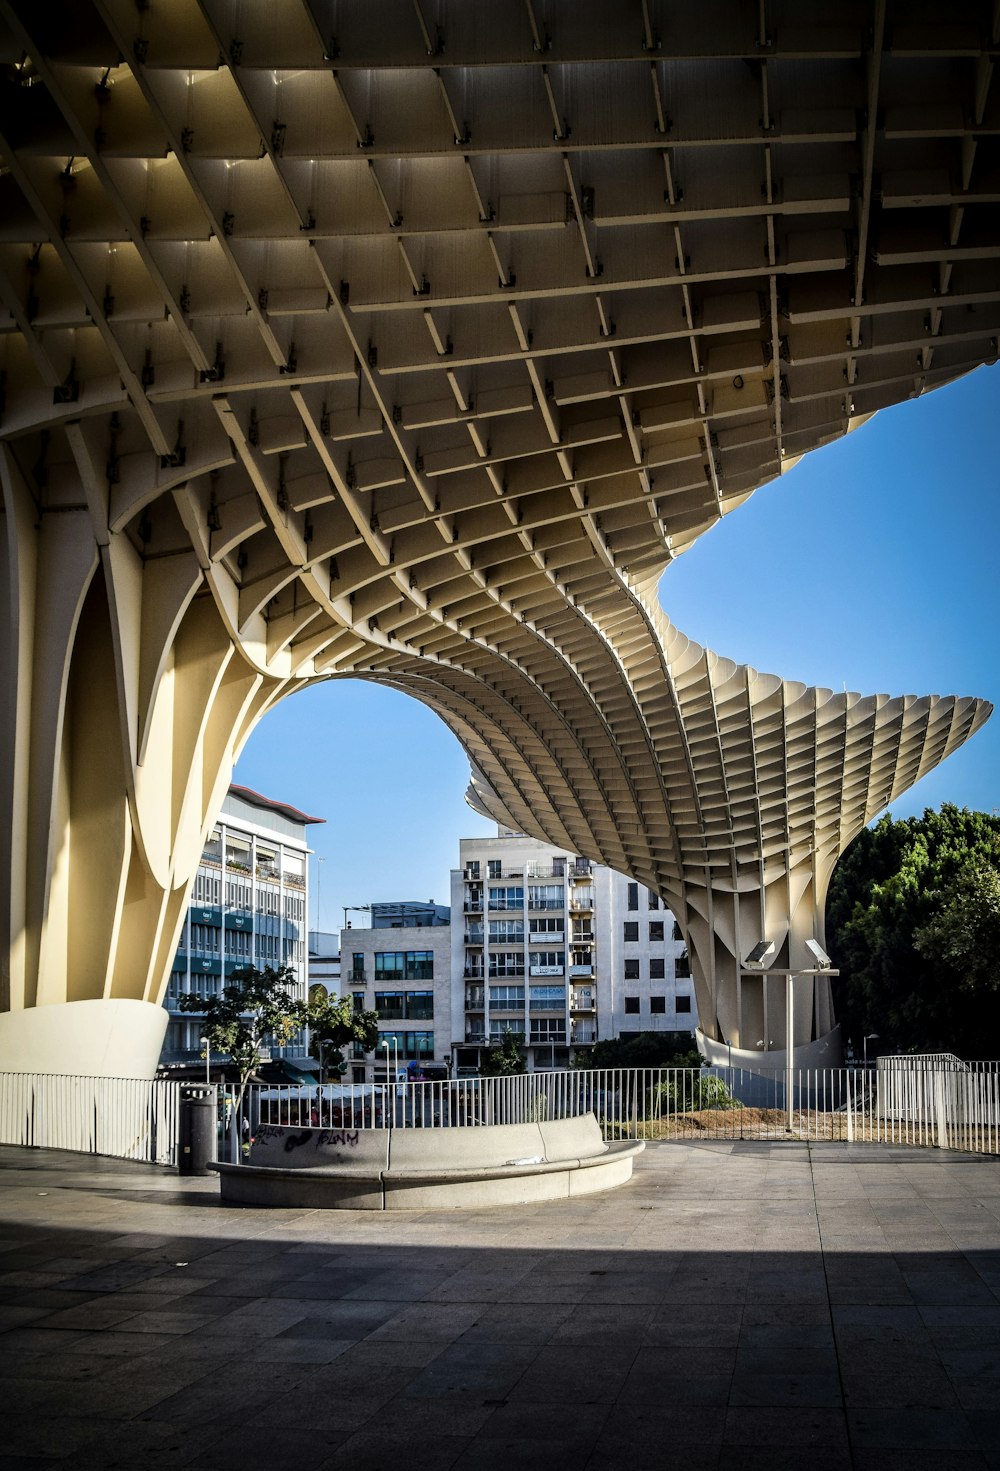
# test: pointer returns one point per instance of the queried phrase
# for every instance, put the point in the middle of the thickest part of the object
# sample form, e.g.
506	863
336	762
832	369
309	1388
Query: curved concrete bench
413	1169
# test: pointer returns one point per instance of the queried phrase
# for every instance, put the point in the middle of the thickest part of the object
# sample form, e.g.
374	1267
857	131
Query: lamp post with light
756	964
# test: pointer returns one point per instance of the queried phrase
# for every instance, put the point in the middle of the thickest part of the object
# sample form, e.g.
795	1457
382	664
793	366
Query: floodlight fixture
819	954
760	954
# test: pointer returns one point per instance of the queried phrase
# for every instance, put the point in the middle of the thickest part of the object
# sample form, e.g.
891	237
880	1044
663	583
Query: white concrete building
562	950
248	907
323	960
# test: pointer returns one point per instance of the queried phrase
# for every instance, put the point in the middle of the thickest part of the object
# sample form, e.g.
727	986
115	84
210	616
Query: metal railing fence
923	1101
126	1118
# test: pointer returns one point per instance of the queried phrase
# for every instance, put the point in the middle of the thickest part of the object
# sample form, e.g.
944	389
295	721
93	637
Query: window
506	962
506	896
404	965
657	1005
655	930
419	1005
631	970
507	931
547	963
682	967
509	998
631	931
546	896
654	899
677	932
633	896
411	1045
631	1005
547	998
545	927
682	1004
548	1029
359	1000
657	970
493	868
389	1005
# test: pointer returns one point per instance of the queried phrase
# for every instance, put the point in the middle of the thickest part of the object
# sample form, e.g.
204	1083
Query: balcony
542	1039
581	869
582	905
581	937
582	1035
552	905
476	1036
583	1001
475	998
356	978
474	906
473	937
473	973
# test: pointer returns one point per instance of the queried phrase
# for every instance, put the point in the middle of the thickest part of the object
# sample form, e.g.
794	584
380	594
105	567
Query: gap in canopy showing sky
874	565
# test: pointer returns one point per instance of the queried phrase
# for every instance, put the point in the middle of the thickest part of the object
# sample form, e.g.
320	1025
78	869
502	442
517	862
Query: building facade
563	951
407	981
248	907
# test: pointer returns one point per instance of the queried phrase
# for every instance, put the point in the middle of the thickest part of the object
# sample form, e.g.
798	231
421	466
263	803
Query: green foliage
913	922
649	1049
690	1092
334	1024
505	1057
255	1006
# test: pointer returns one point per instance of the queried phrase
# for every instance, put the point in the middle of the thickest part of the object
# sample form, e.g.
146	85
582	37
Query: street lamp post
756	963
208	1060
395	1069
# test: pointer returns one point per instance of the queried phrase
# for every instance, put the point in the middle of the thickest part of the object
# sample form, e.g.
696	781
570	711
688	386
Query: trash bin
198	1115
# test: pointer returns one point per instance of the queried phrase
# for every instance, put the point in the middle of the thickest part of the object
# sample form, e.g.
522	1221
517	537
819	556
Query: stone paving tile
719	1312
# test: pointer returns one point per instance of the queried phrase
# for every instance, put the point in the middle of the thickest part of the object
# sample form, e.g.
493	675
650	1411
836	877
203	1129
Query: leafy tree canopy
505	1057
258	1007
913	922
648	1049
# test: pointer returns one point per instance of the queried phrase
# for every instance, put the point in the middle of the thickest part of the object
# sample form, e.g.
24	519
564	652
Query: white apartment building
561	950
248	907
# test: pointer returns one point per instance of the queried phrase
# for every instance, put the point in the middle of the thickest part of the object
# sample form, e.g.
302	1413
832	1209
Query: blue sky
873	564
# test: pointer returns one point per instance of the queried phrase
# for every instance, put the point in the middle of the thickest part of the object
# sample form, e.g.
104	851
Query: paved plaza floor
737	1306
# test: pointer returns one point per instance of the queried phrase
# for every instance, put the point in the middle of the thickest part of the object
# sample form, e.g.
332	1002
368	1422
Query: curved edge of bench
333	1187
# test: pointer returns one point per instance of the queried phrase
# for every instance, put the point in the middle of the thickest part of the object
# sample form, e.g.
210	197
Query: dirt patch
713	1119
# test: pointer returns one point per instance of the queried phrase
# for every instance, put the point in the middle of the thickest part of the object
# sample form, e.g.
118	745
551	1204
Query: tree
253	1007
649	1049
258	1006
913	922
505	1057
334	1024
964	933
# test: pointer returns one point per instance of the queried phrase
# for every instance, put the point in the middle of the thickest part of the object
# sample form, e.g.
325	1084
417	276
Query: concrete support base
96	1039
825	1052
